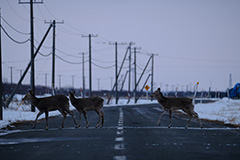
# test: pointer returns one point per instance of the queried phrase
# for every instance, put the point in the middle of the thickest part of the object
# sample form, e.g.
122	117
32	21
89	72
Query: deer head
157	92
71	93
28	96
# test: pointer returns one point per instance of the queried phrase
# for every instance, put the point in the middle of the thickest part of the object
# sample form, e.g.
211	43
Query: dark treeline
41	90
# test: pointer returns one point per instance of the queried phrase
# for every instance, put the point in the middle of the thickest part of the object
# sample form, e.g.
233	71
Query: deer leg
80	116
102	118
46	116
85	116
170	119
159	120
64	117
71	113
39	114
189	121
99	118
196	115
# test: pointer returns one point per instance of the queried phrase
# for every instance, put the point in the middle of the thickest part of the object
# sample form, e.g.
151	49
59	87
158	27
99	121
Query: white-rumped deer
87	104
174	103
52	103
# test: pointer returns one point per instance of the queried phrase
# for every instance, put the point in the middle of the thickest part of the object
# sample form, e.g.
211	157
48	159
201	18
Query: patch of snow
224	110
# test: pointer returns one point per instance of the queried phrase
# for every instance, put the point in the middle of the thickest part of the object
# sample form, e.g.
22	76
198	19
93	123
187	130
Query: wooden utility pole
1	104
73	81
53	52
116	73
83	76
152	76
11	75
135	74
90	62
116	69
59	76
32	78
129	72
152	55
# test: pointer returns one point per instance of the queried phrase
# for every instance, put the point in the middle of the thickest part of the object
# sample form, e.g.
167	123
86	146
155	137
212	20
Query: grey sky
196	40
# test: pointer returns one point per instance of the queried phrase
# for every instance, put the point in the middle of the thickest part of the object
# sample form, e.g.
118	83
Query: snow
224	110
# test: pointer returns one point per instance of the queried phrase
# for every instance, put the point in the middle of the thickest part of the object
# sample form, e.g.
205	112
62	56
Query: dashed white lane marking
120	139
119	132
119	146
120	128
119	157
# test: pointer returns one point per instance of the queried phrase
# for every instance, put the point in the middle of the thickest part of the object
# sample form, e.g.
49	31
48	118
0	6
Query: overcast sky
195	40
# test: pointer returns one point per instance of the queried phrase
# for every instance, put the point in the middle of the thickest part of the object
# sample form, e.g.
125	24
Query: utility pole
230	80
116	73
11	81
53	52
20	70
152	76
90	62
59	76
111	82
152	56
73	81
116	69
83	76
135	74
98	84
1	104
141	76
32	78
46	80
129	72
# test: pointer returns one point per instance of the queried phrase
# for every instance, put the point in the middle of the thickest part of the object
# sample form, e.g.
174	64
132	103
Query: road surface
129	133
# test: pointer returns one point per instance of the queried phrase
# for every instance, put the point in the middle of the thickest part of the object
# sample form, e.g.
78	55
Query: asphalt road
129	132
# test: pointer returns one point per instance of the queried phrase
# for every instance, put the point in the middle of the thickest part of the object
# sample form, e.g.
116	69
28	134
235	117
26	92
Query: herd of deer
61	103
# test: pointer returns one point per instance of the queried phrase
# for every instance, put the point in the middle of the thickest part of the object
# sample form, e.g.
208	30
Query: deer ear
30	91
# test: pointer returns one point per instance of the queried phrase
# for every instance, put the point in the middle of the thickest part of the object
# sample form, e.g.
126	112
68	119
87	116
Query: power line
103	61
14	28
22	42
195	59
16	12
69	61
44	55
67	53
63	42
65	22
103	66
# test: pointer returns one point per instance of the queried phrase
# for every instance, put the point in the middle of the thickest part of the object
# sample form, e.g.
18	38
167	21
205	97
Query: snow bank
224	110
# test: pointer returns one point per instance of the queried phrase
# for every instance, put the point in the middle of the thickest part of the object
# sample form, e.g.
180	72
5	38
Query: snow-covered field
224	110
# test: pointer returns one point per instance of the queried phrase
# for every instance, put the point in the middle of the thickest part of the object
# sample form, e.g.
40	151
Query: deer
47	104
88	104
170	104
